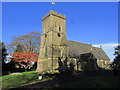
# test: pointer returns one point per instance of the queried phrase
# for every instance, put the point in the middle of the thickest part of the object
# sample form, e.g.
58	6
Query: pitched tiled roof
99	53
77	48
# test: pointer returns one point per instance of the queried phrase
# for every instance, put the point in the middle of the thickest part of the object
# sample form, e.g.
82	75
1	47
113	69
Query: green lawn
96	80
17	80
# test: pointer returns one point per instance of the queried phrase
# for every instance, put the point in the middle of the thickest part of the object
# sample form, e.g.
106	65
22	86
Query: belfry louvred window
45	51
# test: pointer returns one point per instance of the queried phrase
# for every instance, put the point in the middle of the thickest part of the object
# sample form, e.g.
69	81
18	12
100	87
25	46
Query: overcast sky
93	23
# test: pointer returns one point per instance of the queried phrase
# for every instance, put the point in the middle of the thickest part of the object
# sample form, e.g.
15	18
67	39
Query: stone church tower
52	41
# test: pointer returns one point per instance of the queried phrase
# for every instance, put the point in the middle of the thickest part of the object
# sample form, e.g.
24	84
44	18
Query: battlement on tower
54	14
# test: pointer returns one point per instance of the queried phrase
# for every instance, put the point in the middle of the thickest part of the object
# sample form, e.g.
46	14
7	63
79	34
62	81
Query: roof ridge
80	42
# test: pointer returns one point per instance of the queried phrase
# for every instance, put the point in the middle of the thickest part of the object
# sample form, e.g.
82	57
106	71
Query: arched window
45	35
59	28
58	34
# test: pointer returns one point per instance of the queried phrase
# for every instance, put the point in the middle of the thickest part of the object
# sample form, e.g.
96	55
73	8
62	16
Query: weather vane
52	3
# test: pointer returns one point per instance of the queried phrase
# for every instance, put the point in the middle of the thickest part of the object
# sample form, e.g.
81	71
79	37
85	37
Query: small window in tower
59	28
58	34
45	51
45	35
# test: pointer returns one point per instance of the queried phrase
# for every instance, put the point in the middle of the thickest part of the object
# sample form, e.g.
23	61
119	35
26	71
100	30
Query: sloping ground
16	80
100	79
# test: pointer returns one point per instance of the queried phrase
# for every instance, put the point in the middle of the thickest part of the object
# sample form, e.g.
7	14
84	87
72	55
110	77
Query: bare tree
29	42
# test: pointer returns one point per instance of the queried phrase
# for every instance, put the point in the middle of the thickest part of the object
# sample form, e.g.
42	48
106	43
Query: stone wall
48	65
103	64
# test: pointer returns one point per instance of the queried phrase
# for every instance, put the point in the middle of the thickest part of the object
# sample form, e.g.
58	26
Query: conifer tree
116	62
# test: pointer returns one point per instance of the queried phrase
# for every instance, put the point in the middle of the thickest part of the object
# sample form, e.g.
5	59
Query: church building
56	52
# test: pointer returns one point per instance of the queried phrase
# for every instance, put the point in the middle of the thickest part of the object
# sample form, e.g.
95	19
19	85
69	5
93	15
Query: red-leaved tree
24	57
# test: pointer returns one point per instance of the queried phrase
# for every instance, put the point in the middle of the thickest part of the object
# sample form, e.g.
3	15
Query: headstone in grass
40	77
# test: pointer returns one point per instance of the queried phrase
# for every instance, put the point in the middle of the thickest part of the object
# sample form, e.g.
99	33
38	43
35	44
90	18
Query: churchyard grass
9	81
104	80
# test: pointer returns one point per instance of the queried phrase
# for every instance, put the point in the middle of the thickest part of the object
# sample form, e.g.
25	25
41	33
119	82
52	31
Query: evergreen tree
116	62
117	50
4	54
